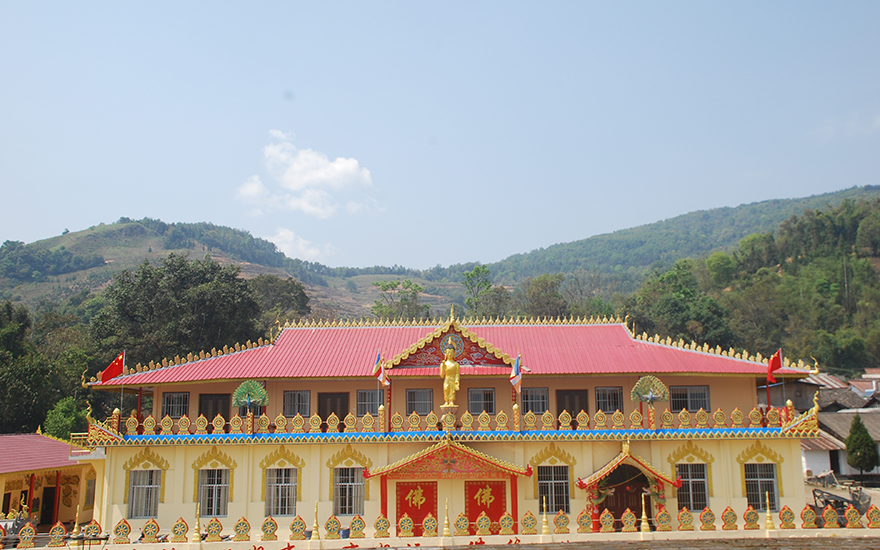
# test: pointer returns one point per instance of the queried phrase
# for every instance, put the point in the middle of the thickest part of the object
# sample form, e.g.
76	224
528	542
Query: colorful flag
516	376
114	369
379	370
775	363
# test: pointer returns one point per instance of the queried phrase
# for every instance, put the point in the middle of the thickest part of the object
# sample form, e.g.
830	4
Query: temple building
484	424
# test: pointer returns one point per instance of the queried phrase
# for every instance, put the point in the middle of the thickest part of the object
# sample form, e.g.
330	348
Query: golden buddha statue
449	372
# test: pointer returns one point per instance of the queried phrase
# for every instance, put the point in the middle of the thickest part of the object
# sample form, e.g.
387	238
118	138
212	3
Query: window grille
760	480
420	401
368	401
609	400
536	400
694	491
553	483
296	401
281	492
175	404
348	491
214	492
692	398
143	493
481	399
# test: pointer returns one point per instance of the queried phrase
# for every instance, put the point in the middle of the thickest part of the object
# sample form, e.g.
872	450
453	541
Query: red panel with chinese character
416	498
485	496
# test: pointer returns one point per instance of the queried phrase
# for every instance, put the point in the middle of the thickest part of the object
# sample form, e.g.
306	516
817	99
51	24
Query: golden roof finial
452	312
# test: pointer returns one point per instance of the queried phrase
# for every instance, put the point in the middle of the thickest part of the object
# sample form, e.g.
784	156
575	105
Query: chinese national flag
775	363
114	369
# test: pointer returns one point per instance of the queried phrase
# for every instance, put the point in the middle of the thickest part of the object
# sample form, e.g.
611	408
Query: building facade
605	420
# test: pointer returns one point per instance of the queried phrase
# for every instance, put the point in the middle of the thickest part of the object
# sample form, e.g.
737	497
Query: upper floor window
692	398
609	399
536	400
481	399
419	401
143	493
296	402
175	404
368	401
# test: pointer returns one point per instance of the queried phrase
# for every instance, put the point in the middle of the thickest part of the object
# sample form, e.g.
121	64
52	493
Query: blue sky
365	133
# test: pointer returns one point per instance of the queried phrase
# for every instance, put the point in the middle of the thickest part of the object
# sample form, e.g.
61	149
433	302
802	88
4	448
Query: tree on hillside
66	417
541	297
671	304
861	450
477	286
176	307
399	299
27	384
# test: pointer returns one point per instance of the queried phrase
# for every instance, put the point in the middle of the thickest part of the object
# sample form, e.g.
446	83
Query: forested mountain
617	262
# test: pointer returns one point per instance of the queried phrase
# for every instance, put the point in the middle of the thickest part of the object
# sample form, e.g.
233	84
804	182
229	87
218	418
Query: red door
417	499
485	496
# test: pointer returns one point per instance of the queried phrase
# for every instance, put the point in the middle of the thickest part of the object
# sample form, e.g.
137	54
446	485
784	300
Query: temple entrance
485	496
629	483
417	499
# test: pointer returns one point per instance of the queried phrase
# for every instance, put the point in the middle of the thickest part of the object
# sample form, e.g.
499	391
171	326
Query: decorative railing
501	421
589	520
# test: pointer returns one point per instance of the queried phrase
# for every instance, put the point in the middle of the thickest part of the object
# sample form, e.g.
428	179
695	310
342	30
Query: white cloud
295	246
307	181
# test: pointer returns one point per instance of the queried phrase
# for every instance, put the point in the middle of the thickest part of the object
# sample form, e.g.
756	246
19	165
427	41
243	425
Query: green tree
861	450
478	289
721	268
869	234
66	417
176	307
541	297
399	299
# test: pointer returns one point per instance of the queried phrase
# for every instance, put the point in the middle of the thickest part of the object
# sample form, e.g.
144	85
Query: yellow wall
247	484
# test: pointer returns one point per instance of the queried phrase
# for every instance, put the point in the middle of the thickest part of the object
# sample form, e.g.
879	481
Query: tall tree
400	299
541	297
861	449
176	307
279	299
477	286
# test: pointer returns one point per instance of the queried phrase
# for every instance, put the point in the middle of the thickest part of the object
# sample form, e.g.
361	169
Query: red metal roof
28	452
345	352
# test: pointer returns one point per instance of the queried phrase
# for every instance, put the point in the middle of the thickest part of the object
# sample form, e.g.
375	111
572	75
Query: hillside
632	251
86	260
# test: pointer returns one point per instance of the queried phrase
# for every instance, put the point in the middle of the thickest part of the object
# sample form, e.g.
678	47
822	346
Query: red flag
775	363
114	369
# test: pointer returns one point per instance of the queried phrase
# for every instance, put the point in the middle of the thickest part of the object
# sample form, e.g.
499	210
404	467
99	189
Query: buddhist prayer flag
379	370
516	375
114	369
775	363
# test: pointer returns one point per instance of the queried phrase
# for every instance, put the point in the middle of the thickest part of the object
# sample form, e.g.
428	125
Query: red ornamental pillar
57	497
514	504
384	489
594	511
30	502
